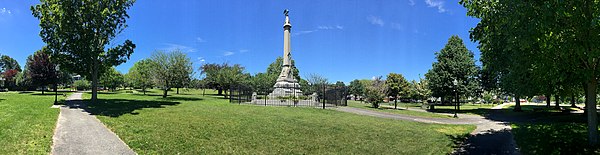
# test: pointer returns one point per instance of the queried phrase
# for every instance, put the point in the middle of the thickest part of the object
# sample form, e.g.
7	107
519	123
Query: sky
341	40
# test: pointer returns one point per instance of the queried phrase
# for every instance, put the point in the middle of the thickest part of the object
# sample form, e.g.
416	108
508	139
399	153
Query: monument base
286	89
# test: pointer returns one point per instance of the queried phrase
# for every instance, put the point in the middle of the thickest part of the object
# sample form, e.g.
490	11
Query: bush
375	104
81	84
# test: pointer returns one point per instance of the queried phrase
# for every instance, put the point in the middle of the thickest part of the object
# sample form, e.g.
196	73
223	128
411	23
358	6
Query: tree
420	90
375	91
454	62
112	79
556	40
170	70
181	69
77	34
356	88
10	68
141	74
261	83
397	86
41	70
275	69
224	76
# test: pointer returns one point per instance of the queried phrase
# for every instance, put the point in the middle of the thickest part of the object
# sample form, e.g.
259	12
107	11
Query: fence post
230	89
239	95
324	93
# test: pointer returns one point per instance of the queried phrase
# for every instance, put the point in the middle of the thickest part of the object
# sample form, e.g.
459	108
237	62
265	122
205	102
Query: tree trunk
220	90
395	102
557	102
548	97
573	100
177	90
42	91
144	90
590	96
166	90
517	103
95	81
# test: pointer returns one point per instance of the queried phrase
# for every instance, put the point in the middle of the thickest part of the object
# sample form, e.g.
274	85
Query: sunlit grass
196	124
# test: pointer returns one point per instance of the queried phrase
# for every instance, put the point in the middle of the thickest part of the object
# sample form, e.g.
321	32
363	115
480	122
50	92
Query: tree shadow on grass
553	138
118	107
180	98
490	142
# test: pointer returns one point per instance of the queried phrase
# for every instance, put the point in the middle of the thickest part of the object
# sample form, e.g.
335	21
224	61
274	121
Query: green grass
193	124
400	110
552	138
27	122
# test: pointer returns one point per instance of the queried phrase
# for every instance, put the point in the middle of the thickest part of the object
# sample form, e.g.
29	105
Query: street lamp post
455	82
56	68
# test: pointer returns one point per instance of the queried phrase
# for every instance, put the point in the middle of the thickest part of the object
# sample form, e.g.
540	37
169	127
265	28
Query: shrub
81	84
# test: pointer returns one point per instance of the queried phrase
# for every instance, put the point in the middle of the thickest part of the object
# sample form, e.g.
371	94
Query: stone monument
286	84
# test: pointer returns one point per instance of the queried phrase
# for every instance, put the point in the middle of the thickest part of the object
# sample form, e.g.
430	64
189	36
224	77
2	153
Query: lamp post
56	68
455	82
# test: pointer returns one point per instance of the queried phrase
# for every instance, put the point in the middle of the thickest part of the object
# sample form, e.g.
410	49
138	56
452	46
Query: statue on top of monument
286	11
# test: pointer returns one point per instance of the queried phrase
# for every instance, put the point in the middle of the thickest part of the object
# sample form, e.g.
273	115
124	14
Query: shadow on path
117	107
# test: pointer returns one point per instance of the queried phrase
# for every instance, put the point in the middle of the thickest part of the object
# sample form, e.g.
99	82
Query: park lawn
400	110
27	122
552	138
196	124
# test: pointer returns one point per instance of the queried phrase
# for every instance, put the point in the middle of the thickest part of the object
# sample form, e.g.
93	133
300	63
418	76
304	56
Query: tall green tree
182	69
454	62
356	88
375	91
141	74
170	69
397	86
223	76
78	34
112	79
10	69
557	41
41	70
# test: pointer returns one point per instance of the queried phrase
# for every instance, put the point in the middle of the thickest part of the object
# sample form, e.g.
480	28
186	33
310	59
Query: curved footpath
79	133
490	137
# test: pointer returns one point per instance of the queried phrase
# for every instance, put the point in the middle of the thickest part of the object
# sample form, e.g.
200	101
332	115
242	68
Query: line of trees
547	47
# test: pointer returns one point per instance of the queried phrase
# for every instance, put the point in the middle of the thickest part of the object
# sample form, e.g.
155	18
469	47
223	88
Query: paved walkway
490	137
79	133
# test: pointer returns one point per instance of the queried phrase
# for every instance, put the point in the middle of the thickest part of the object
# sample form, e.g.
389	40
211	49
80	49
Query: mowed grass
196	124
27	122
400	110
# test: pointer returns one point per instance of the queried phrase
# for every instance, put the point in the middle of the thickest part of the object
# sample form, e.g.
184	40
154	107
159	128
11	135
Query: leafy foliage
77	34
375	91
454	62
170	70
40	69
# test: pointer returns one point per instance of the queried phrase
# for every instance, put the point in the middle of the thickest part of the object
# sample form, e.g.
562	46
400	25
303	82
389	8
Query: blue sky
341	40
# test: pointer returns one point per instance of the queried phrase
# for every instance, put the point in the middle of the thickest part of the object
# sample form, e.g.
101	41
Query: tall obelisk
286	85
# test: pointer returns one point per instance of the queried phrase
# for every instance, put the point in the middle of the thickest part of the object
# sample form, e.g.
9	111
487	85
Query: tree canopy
40	69
77	34
546	46
454	62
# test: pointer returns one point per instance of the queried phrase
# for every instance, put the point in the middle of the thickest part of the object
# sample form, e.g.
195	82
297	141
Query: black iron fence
323	96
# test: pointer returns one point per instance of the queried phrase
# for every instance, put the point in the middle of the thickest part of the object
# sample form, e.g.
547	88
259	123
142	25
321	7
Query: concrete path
79	133
490	137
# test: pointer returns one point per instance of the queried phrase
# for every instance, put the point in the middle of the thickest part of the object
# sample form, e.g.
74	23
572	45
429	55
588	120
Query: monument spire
286	84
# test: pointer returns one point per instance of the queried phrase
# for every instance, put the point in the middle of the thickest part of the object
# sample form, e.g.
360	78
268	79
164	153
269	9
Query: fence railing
326	96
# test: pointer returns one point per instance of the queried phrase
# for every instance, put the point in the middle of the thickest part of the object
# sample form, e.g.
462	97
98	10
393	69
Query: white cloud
171	47
244	50
375	20
5	11
321	27
437	4
397	26
200	40
304	32
201	59
228	53
337	27
411	2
